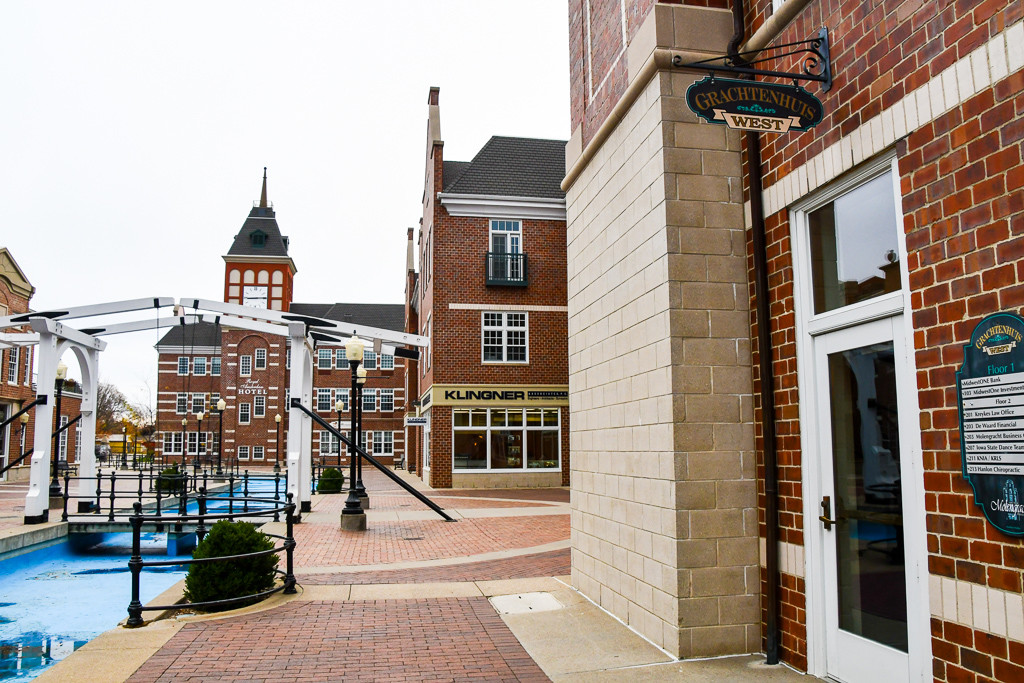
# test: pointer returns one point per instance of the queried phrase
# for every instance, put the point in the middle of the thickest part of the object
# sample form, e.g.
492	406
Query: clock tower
257	269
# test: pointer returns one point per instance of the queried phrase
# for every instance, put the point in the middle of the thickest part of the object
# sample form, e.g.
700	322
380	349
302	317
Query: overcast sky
133	137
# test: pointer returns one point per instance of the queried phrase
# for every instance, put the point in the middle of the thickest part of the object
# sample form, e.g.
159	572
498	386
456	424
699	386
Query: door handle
826	512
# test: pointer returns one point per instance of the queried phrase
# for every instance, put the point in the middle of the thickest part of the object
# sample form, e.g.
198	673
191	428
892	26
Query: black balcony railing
506	269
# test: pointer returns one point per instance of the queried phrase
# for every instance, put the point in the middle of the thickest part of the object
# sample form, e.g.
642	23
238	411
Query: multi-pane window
504	337
323	401
257	452
261	359
12	365
364	438
245	365
369	400
288	358
328	443
243	452
28	367
78	441
502	439
340	359
342	395
182	365
214	400
384	443
287	398
259	406
323	359
62	449
215	366
181	403
199	366
172	443
244	414
369	360
197	442
198	403
387	400
387	361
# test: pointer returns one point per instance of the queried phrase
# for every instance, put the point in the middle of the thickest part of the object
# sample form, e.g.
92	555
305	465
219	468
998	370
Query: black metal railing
116	493
360	453
506	269
136	564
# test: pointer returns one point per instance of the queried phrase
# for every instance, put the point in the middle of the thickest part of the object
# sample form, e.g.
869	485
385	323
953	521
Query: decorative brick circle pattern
555	563
320	545
455	639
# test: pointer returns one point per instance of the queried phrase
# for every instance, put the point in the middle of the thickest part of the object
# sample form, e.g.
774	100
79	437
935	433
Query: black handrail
372	460
16	462
136	563
40	400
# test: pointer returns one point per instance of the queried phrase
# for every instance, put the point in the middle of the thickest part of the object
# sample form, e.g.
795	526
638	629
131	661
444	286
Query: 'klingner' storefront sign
491	395
749	105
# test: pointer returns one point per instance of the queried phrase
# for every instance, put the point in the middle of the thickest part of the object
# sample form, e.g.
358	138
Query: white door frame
808	326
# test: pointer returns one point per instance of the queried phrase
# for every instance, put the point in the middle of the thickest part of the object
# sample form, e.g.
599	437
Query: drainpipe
764	352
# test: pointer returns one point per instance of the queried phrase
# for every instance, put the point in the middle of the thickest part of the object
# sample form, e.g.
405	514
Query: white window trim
243	452
259	406
257	354
491	232
244	408
504	337
215	366
187	364
242	362
487	428
380	399
324	359
13	361
195	366
180	396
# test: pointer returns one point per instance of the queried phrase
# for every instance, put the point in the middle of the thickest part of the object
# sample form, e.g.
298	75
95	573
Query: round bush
170	480
331	481
230	578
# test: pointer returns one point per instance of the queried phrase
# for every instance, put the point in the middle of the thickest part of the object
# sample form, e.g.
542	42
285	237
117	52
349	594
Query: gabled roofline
17	287
498	206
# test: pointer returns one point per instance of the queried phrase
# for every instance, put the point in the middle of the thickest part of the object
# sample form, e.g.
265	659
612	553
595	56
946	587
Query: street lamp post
277	449
21	435
353	517
221	405
124	447
339	405
199	436
184	443
364	500
62	373
135	449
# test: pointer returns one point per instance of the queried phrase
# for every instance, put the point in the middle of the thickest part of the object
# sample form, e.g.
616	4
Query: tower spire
263	195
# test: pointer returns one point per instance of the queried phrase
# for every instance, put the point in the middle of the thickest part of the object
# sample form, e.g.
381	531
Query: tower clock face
254	296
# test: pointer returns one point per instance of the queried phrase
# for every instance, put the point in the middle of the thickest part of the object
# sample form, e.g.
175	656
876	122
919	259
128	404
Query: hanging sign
750	105
415	421
990	393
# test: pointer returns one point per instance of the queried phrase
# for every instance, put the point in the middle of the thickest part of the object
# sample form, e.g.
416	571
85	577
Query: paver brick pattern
448	639
554	563
322	545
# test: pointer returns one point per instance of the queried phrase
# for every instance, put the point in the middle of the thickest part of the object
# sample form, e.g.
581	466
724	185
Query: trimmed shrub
231	578
331	481
170	481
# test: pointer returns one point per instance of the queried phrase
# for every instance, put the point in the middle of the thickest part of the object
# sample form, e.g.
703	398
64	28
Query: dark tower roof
260	234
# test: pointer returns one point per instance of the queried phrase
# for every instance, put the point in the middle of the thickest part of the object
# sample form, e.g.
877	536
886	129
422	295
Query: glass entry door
860	384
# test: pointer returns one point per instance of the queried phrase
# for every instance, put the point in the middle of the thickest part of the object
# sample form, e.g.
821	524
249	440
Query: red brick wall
257	266
961	180
14	396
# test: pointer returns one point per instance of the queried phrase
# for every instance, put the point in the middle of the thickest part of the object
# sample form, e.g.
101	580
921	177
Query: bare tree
111	408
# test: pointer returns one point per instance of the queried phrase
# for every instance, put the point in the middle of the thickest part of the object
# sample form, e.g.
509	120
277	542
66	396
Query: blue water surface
56	598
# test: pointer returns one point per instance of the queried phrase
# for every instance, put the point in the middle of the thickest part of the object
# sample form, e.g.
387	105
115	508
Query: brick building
892	230
491	296
202	363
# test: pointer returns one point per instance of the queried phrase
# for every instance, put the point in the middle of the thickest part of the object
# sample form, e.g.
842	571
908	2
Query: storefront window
506	439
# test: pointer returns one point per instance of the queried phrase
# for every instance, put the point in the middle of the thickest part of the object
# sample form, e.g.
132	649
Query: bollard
289	547
113	488
277	496
135	567
140	486
64	514
99	490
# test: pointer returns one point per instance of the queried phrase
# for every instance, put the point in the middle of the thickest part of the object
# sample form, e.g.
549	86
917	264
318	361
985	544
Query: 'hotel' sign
749	105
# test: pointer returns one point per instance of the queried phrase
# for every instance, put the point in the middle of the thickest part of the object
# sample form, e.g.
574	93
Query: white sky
133	137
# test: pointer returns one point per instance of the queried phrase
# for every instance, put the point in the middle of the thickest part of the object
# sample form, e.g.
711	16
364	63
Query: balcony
506	270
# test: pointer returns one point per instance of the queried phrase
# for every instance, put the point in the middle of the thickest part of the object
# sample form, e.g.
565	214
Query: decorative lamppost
221	405
353	517
62	373
124	447
135	449
339	405
360	489
21	435
199	436
277	450
184	442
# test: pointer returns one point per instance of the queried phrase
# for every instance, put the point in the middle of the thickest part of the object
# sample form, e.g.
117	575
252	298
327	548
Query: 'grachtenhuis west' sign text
749	105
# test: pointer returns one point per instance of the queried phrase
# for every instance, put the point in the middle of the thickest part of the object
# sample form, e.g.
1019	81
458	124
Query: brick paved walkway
449	639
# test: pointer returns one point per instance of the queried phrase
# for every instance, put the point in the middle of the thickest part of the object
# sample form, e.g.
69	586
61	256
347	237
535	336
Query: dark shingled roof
198	334
262	219
384	316
452	171
511	167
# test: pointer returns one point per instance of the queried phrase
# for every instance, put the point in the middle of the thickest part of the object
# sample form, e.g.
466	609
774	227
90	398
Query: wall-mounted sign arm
817	61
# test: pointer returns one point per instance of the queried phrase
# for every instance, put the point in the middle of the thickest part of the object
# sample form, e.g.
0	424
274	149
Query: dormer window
258	238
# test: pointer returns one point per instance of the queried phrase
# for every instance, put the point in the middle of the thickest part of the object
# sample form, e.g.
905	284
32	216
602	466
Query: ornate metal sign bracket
817	61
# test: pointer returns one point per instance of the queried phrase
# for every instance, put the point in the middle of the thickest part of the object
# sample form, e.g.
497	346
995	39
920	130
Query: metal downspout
764	352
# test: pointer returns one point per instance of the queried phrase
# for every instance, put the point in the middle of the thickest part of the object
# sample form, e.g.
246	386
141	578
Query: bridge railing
136	564
117	492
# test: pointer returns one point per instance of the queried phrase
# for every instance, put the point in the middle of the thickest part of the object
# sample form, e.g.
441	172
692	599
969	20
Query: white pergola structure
54	337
